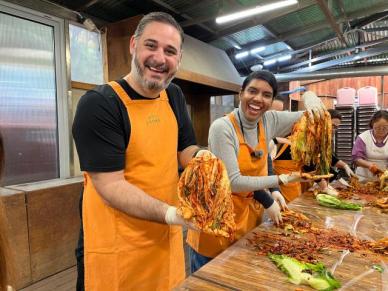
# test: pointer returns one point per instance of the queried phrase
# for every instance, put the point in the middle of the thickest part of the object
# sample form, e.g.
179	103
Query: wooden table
240	268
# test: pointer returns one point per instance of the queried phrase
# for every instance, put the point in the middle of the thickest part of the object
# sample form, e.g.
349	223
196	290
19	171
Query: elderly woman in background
370	150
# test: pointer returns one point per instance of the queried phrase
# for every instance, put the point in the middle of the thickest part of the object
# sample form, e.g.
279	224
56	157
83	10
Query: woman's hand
274	213
313	105
277	196
374	169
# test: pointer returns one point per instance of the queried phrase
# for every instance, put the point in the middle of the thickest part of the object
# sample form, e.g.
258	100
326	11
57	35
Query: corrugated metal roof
250	34
296	20
274	49
357	5
303	27
311	38
221	43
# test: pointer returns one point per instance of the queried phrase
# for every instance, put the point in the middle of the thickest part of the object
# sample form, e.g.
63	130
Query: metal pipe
333	74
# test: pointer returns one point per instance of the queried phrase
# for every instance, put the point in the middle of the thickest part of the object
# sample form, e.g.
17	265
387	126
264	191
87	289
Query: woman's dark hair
262	75
335	114
377	116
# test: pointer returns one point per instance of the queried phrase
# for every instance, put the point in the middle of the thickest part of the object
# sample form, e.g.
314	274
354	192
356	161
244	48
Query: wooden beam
325	9
86	5
82	86
209	81
172	9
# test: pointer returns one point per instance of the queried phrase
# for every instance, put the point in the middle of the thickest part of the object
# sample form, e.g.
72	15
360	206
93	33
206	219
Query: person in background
370	150
262	196
240	140
283	164
336	119
282	161
129	134
324	186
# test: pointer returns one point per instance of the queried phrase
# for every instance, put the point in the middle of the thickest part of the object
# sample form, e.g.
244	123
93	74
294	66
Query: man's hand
313	104
274	213
349	171
173	218
277	196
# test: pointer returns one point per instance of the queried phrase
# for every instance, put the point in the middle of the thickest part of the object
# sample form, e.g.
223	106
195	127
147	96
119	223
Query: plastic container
345	96
367	96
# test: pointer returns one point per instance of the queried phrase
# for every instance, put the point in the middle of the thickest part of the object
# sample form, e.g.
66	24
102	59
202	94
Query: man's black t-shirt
102	128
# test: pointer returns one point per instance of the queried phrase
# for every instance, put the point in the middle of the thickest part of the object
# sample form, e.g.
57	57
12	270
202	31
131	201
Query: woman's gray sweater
223	142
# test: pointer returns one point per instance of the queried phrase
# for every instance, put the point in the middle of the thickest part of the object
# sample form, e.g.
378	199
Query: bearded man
130	135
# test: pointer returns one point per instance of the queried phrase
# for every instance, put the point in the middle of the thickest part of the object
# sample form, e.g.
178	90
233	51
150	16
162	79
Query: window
29	95
86	55
221	105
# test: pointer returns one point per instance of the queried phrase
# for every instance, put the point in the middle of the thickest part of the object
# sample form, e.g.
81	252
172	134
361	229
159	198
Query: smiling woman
240	140
256	94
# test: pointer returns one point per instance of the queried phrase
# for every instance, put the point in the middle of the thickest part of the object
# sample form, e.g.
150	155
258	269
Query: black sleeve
334	160
263	197
271	173
186	135
99	132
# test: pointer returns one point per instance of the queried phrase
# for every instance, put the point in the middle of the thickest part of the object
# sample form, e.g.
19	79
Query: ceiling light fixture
254	11
284	58
257	67
241	55
269	62
257	50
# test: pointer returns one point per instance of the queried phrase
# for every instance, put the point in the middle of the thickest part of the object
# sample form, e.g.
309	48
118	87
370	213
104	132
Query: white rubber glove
313	104
173	218
274	213
330	191
349	171
277	196
289	178
202	153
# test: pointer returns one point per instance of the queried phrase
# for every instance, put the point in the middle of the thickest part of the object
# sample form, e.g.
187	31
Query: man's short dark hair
158	17
335	114
262	75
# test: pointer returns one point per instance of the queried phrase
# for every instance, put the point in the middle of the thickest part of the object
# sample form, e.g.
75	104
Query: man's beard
149	84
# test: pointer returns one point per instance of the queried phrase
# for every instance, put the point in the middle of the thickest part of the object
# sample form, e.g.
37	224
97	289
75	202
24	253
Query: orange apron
291	190
248	212
123	252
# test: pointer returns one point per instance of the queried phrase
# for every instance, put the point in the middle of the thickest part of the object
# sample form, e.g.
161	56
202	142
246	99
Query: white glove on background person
349	171
173	218
277	196
330	191
274	213
289	178
313	104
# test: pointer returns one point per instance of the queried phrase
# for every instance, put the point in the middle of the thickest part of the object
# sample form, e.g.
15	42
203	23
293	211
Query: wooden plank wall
330	87
44	223
16	227
200	116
